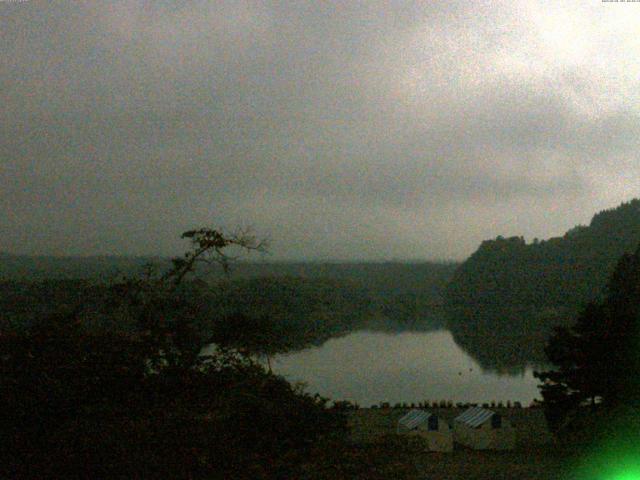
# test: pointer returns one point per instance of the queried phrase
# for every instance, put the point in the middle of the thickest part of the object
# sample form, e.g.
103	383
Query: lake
372	367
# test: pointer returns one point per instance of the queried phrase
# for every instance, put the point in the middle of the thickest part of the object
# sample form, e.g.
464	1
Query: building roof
475	416
414	418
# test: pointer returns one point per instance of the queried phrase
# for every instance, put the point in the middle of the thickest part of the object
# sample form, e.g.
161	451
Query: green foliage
263	308
598	359
566	271
274	315
512	294
80	398
79	404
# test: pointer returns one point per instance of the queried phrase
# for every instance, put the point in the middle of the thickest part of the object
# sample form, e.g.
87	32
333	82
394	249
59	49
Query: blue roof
414	418
475	416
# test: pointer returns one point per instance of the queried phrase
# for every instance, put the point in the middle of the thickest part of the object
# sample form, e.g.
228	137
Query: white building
483	429
435	432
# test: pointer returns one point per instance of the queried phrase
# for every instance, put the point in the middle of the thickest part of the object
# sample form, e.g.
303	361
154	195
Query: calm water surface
367	368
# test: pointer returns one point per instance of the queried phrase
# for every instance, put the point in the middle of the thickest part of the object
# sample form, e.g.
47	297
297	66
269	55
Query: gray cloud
339	129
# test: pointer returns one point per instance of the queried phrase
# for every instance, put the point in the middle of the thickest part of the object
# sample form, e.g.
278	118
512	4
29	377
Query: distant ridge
45	267
41	267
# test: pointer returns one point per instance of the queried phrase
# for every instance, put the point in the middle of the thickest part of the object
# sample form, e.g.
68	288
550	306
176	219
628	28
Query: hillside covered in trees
506	298
285	306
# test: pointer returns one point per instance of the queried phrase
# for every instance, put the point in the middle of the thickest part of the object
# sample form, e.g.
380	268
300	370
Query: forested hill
310	300
510	288
568	270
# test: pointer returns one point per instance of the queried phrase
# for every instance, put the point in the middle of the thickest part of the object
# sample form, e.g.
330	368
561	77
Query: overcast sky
354	129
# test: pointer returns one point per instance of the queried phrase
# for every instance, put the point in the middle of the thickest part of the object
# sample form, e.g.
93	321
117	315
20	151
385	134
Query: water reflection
505	338
370	367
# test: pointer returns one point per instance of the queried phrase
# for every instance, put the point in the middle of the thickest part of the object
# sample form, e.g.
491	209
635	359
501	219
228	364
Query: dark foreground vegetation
115	383
597	360
87	404
131	394
591	397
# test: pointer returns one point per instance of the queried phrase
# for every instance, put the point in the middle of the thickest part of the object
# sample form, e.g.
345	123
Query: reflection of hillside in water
372	367
426	322
504	339
502	343
503	354
375	323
